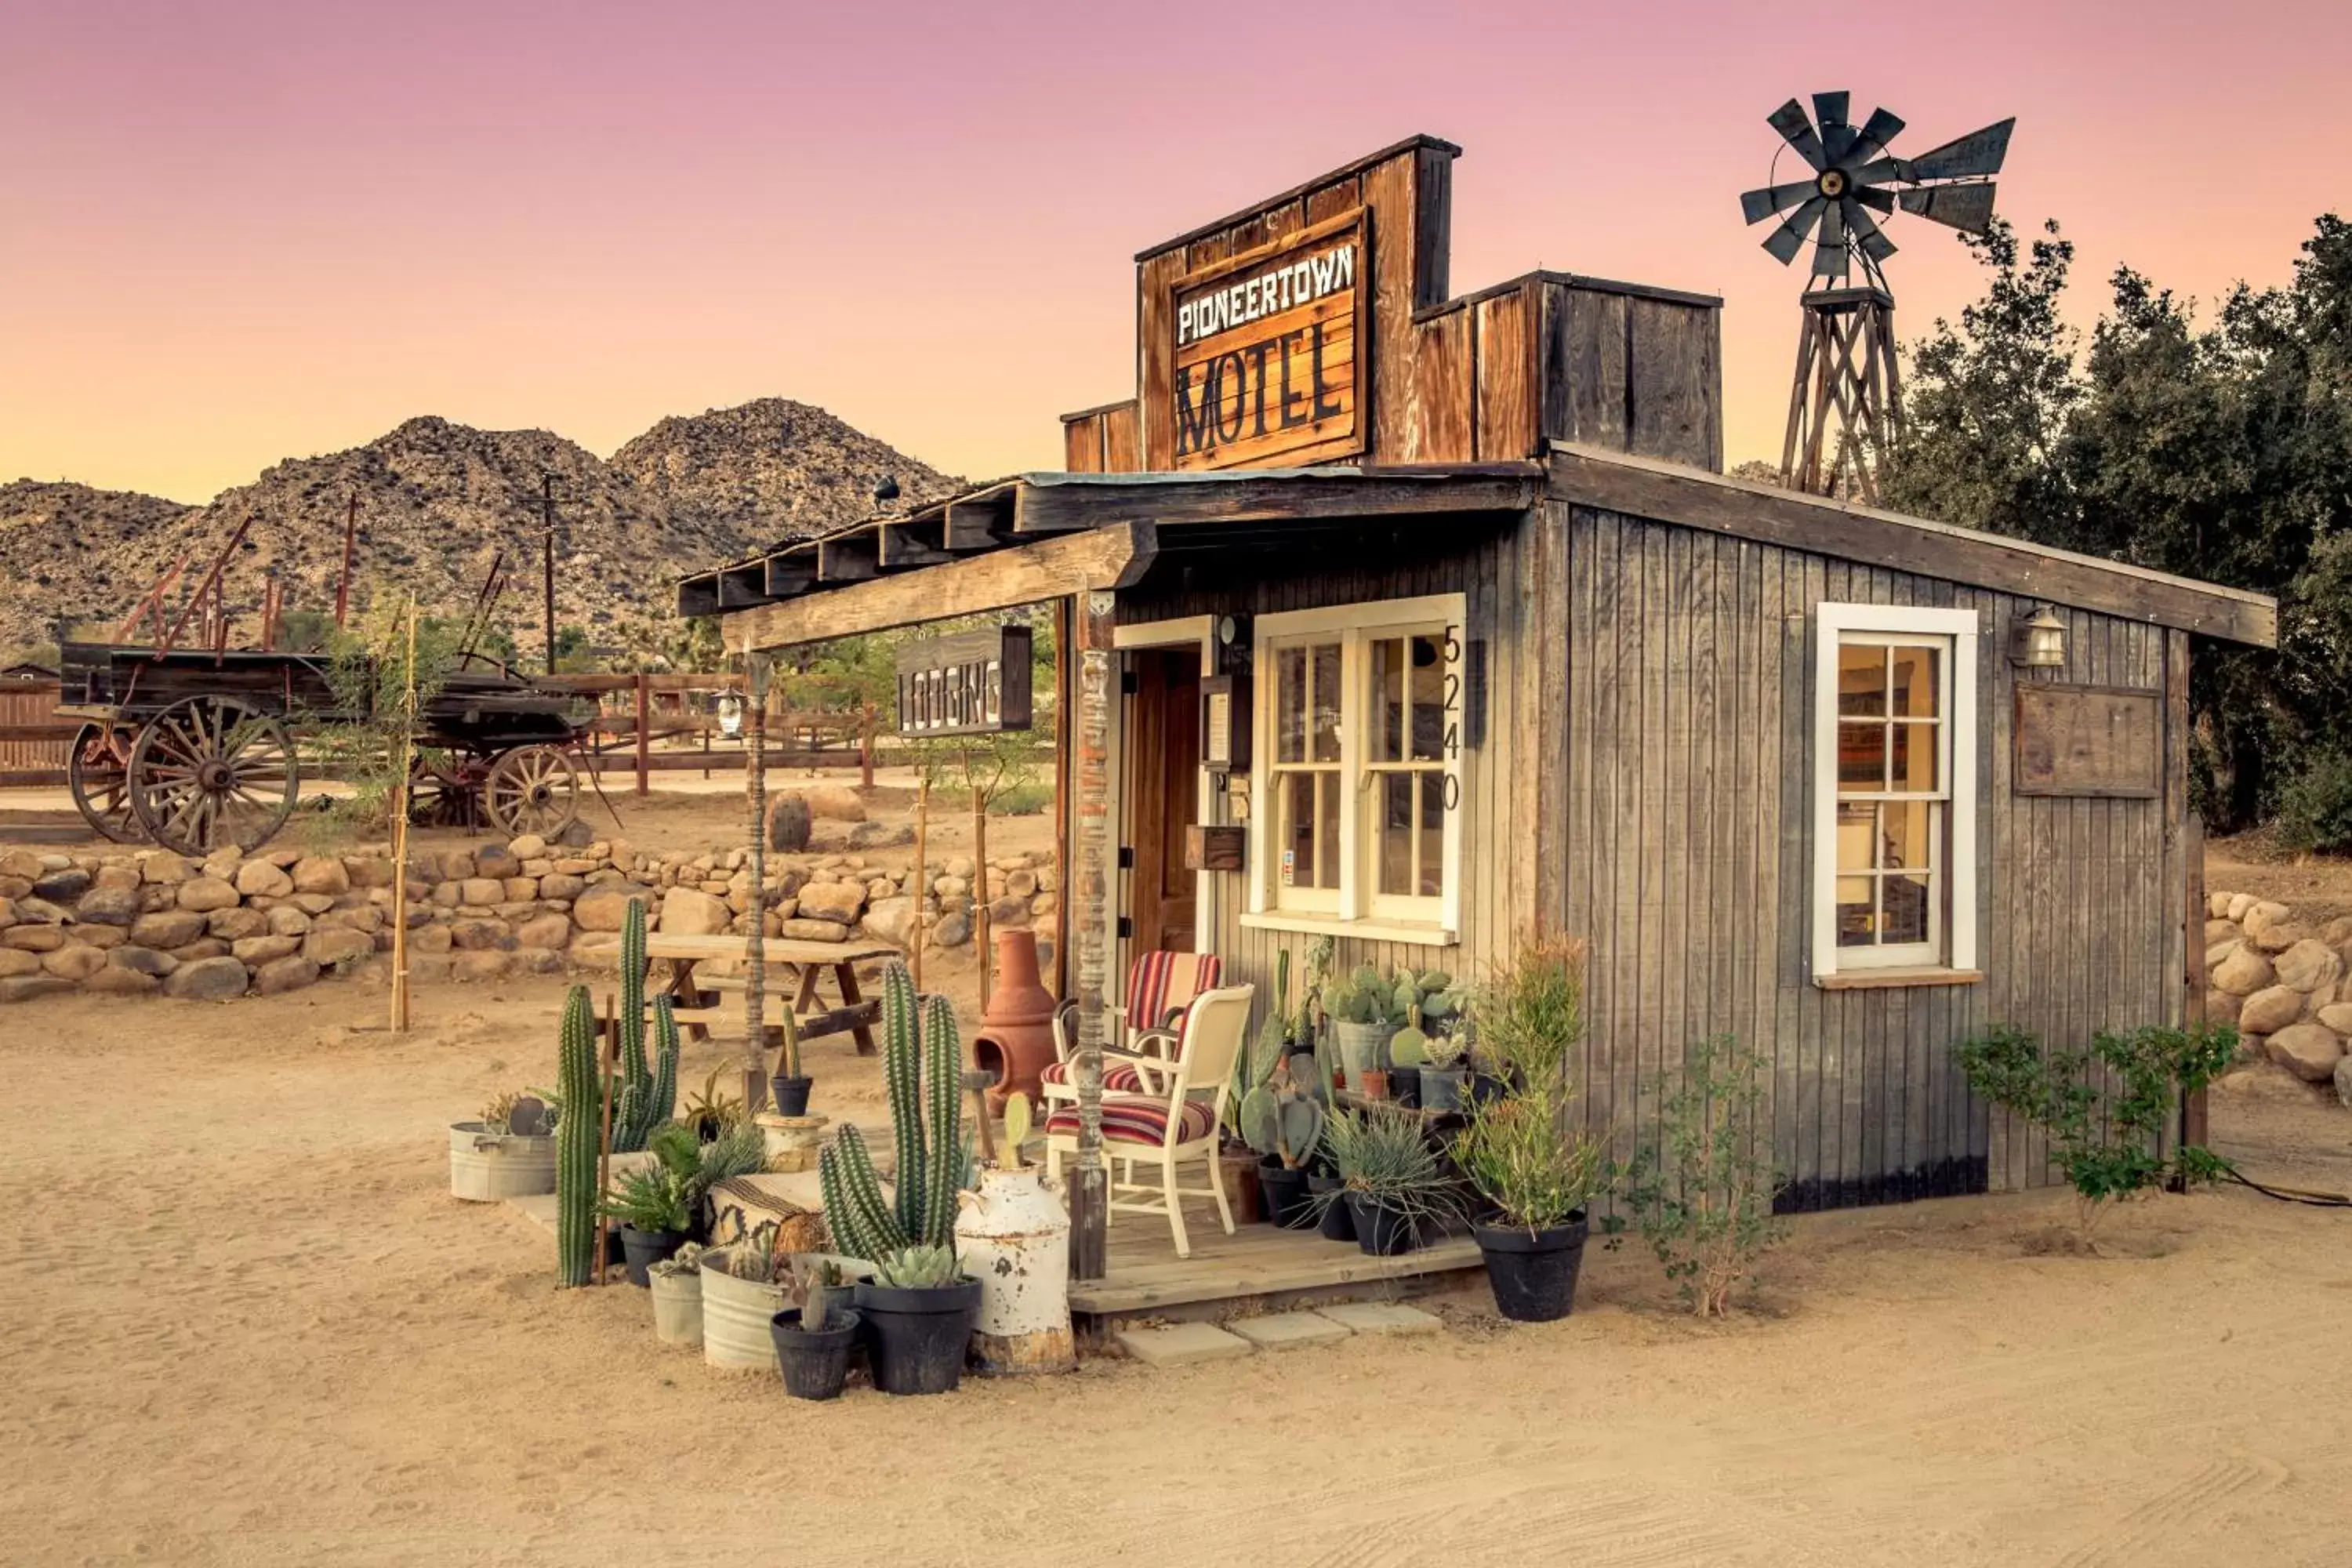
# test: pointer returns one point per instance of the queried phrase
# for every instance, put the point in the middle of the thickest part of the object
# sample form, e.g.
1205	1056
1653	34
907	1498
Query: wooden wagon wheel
444	789
211	771
96	775
533	789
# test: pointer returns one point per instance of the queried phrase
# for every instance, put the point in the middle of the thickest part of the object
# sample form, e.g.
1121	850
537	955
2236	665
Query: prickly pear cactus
575	1142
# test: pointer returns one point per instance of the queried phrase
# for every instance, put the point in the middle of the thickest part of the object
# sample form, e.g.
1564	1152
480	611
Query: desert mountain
437	502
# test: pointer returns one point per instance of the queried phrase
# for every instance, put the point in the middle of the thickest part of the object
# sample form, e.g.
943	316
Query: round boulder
290	972
606	906
2308	966
205	894
107	907
2306	1050
2270	1009
838	901
2243	973
207	980
833	801
320	874
260	880
687	912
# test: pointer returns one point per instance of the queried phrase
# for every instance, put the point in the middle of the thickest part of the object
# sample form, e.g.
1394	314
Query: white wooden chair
1172	1120
1161	985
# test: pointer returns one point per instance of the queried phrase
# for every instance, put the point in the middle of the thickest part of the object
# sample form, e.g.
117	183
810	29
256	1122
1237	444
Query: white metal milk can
1013	1237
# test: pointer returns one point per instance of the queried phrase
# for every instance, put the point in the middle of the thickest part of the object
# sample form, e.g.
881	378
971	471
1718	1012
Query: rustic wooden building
1482	642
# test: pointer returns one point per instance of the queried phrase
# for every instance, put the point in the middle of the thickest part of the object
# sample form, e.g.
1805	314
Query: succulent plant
1016	1128
647	1092
686	1260
577	1138
1409	1047
1287	1126
922	1069
918	1269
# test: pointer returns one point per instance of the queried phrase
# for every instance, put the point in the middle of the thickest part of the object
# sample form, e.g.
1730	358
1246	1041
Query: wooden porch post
1090	1190
755	978
645	722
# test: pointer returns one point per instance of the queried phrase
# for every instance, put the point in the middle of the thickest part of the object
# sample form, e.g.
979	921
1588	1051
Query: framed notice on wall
2095	741
1270	349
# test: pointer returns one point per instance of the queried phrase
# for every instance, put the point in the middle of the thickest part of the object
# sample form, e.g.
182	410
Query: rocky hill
438	502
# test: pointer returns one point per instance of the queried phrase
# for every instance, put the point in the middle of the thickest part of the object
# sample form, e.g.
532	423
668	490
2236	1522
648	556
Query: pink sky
242	232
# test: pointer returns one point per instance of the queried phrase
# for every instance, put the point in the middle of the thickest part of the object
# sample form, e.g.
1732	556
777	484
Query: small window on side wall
1895	793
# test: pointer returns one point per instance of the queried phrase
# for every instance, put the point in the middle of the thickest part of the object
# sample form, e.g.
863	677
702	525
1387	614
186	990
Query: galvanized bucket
486	1167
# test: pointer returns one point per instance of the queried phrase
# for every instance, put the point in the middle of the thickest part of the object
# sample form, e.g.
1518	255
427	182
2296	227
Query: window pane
1862	756
1915	758
1862	680
1327	704
1857	842
1428	701
1387	700
1915	688
1905	917
1394	846
1904	841
1433	835
1855	913
1326	860
1290	705
1299	835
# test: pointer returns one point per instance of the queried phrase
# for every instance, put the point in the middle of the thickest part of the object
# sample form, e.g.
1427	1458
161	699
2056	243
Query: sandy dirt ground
247	1325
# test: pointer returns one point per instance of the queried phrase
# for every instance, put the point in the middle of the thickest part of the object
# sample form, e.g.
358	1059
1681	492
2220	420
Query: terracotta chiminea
1016	1034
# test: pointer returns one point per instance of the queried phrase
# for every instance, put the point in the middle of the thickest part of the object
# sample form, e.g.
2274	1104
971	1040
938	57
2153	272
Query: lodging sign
973	683
1268	351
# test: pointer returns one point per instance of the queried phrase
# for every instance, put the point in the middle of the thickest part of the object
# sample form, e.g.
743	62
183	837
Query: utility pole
547	558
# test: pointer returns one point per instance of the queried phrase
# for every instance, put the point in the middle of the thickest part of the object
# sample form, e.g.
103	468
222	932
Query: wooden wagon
197	748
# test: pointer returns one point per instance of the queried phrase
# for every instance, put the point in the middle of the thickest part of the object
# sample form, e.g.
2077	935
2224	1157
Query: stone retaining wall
2286	984
148	922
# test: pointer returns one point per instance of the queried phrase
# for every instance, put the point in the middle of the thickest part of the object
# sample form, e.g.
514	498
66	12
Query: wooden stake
980	887
922	866
608	1053
400	833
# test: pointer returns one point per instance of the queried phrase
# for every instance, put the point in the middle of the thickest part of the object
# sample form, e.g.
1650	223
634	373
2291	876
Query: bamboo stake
609	1050
980	887
400	832
922	866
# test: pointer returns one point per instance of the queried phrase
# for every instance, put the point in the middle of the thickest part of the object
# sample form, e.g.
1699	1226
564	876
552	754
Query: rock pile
152	923
2286	984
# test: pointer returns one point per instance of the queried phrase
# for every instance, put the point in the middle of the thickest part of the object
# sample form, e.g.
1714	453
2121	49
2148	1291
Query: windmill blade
1829	249
1979	152
1875	244
1876	133
1877	171
1789	120
1877	201
1837	136
1785	241
1761	204
1968	208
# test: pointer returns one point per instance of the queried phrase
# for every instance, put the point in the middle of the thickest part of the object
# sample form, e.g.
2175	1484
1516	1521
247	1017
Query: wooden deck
1257	1266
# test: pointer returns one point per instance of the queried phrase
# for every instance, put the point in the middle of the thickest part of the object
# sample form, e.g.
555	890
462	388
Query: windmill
1846	399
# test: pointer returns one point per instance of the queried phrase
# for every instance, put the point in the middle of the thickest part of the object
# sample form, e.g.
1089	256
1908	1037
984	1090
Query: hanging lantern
2039	642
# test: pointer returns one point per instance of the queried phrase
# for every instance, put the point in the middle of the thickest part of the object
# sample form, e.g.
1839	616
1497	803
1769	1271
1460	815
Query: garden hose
2288	1194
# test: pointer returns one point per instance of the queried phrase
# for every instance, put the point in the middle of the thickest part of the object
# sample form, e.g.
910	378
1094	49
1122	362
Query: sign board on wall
973	683
1269	349
2099	740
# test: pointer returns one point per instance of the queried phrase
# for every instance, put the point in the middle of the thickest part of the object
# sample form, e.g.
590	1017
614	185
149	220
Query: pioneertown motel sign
1266	361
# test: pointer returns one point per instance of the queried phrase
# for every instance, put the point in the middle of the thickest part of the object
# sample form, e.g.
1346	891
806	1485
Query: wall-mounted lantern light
2040	641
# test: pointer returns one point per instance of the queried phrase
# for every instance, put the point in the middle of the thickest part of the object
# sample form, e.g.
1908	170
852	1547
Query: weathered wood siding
1512	578
1688	828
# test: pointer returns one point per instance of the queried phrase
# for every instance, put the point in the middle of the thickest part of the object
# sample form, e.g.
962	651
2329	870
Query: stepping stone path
1180	1345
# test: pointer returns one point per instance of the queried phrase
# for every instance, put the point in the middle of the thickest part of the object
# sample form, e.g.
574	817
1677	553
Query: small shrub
1701	1188
2315	806
1024	799
2104	1108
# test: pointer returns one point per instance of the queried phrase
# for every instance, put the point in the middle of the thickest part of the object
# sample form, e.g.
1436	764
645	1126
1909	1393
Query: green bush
2315	806
1024	799
1701	1186
2104	1108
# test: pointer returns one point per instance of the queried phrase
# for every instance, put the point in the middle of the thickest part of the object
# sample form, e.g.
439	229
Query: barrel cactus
577	1135
923	1067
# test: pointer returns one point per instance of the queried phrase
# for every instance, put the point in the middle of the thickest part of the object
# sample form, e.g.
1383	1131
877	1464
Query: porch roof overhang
1042	535
1693	497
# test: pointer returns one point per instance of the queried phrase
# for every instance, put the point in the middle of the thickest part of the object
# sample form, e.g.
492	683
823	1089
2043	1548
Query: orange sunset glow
243	232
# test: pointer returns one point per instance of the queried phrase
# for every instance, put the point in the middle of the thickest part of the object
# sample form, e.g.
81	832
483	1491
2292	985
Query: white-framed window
1895	743
1356	775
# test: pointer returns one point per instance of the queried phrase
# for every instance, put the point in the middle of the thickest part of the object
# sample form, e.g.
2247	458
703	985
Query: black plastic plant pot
791	1094
641	1249
1405	1087
1533	1272
1485	1087
816	1364
1333	1218
1287	1202
1441	1088
1382	1229
917	1338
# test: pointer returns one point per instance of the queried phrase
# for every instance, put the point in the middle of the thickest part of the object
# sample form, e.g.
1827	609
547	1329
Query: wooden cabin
1441	609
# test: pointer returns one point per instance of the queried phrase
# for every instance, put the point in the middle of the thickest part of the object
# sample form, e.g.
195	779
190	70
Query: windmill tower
1845	403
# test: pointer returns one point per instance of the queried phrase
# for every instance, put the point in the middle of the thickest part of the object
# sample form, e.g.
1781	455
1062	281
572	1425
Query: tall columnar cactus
943	1107
924	1069
575	1142
643	1102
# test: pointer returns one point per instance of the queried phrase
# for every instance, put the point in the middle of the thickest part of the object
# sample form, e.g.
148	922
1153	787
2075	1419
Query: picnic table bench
696	998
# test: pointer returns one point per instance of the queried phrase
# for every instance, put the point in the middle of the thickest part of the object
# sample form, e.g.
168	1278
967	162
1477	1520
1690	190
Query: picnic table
696	997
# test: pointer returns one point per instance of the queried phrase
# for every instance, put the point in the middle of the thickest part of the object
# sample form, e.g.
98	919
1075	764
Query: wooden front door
1162	743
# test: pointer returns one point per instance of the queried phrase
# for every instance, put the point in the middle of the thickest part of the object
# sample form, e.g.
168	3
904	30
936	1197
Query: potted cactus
1286	1127
920	1306
676	1282
508	1151
812	1340
1448	1070
1369	1011
655	1204
791	1085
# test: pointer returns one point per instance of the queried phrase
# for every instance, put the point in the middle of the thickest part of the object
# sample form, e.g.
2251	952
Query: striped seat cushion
1141	1121
1117	1076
